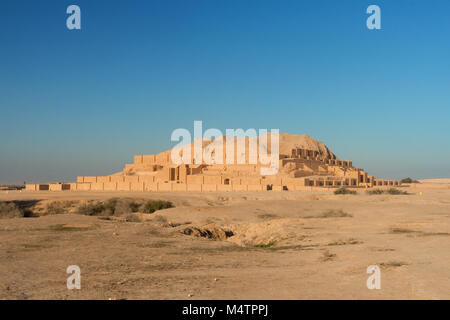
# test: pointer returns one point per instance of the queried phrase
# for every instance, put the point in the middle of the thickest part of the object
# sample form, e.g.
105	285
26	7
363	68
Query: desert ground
231	245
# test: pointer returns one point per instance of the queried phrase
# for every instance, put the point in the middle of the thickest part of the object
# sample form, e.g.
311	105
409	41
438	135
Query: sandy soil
284	245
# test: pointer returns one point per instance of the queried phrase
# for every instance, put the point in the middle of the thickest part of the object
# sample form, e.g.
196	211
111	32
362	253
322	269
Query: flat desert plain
249	245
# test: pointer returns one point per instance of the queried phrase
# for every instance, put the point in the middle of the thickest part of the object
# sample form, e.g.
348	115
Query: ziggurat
303	162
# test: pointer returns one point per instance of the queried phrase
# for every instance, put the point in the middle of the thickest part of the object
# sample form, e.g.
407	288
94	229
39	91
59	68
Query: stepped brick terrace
303	164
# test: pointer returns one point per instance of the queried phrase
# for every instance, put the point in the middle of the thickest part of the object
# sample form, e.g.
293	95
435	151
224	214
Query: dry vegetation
107	208
391	191
332	214
220	245
343	190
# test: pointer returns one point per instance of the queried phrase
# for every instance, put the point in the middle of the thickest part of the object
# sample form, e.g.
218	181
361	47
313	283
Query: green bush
153	205
343	190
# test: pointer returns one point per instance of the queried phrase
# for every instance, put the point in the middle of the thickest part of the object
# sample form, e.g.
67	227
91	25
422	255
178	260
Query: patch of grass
94	209
132	218
36	246
134	206
344	242
62	227
395	191
105	218
295	247
409	180
418	233
219	250
123	206
153	205
152	230
55	208
402	230
266	245
375	191
392	191
327	256
267	216
343	190
110	207
427	234
58	207
383	249
156	244
332	214
394	264
10	210
160	219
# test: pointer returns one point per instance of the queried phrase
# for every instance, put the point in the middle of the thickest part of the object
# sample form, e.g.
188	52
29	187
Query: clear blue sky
84	102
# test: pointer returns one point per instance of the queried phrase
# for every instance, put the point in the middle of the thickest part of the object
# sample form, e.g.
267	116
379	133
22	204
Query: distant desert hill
440	181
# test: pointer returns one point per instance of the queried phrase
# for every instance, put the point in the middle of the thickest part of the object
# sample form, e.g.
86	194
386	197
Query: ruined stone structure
303	163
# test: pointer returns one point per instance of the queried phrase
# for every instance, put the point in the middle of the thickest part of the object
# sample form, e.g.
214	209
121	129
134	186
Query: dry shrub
132	217
110	207
10	210
343	190
153	205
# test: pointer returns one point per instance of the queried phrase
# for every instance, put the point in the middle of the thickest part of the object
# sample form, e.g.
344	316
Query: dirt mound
249	234
215	233
264	232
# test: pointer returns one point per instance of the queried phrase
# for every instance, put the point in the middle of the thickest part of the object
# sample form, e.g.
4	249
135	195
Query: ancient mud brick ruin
303	164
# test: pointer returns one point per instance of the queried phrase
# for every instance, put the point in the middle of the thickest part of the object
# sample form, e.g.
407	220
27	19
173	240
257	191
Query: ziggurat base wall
300	168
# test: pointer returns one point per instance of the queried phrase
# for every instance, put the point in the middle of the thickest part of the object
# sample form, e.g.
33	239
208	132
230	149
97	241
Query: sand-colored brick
123	186
256	188
97	186
224	187
179	187
195	180
31	187
164	186
131	179
150	187
137	186
104	179
117	178
239	187
194	187
212	180
83	186
110	186
209	187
